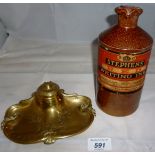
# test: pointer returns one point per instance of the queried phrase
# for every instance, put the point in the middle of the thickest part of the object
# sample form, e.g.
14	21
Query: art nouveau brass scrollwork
50	114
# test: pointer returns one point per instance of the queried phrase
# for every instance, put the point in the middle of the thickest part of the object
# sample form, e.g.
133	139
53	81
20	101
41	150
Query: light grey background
25	64
66	23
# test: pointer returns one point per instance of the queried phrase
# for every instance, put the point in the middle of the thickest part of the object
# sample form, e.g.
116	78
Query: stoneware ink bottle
124	52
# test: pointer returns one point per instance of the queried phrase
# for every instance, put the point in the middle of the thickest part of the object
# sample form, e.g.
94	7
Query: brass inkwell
50	114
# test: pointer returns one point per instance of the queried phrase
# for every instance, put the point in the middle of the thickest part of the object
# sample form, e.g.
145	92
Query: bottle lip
128	10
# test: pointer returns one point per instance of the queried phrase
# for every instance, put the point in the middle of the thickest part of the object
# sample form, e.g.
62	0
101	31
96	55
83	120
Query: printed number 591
99	145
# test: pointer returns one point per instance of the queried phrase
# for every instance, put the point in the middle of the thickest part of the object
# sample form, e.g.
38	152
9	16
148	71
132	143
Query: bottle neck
128	16
127	21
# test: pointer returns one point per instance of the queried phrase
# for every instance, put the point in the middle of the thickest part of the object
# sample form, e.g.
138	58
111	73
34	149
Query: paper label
122	72
99	144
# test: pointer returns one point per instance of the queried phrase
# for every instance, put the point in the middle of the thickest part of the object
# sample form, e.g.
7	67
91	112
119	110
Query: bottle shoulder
133	39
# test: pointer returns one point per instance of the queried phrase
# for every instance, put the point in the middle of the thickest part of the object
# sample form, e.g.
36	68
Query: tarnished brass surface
50	114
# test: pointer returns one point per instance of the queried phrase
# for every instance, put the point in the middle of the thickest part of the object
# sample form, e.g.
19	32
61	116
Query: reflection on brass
50	114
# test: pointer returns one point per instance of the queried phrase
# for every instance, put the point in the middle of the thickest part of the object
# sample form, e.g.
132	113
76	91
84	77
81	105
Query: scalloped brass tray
50	114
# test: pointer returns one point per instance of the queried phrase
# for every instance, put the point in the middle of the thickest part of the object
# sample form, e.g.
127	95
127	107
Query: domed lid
48	89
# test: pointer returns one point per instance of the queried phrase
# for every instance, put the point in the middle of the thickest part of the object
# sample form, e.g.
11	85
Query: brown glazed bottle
124	52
